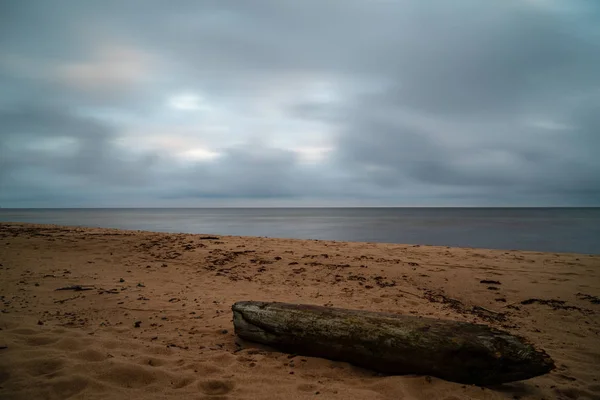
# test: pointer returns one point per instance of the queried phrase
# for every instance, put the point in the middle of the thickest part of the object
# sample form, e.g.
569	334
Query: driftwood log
396	344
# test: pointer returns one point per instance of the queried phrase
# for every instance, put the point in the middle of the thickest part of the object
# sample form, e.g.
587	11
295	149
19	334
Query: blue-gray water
541	229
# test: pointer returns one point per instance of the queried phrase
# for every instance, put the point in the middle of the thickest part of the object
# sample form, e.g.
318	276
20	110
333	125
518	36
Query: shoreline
227	236
180	288
540	229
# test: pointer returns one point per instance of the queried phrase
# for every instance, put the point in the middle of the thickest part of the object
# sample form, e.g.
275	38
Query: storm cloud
293	103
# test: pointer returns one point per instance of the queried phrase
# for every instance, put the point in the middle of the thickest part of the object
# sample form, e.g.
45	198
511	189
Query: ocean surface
540	229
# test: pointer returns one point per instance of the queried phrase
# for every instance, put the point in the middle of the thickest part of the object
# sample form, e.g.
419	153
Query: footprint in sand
39	340
91	355
574	393
180	383
65	387
154	362
126	375
43	366
216	387
306	387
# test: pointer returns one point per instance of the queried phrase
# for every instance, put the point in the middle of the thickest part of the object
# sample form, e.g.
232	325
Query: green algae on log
395	344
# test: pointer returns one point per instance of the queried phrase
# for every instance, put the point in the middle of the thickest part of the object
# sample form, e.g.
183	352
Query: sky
199	103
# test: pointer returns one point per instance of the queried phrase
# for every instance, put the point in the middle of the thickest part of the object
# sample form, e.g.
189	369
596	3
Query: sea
574	230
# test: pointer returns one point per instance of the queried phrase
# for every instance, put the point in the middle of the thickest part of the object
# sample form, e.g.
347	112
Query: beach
145	315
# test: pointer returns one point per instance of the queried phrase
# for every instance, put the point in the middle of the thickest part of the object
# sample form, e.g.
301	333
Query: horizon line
272	207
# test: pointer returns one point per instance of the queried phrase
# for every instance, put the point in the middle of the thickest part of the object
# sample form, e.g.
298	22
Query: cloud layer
384	103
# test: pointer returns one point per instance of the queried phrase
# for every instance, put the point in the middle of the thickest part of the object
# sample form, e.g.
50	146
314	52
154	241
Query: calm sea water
541	229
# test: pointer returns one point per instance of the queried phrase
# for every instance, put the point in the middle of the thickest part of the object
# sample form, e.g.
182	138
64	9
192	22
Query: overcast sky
300	102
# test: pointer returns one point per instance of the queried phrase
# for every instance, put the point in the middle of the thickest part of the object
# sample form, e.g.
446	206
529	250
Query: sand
156	322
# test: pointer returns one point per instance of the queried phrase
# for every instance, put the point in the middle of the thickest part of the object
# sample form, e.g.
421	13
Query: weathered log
76	288
396	344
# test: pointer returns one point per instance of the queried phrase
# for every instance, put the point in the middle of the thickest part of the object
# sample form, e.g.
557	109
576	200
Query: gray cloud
390	102
58	155
56	141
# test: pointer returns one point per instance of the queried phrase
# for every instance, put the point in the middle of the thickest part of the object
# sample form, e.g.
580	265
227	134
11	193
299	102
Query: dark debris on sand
554	303
589	297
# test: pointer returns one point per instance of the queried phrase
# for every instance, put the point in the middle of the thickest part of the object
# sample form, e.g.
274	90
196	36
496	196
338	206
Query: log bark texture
396	344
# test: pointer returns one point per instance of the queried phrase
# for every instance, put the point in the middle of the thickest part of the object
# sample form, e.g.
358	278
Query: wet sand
154	318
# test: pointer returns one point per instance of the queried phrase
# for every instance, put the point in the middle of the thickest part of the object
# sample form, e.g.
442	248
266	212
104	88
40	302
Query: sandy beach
155	319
